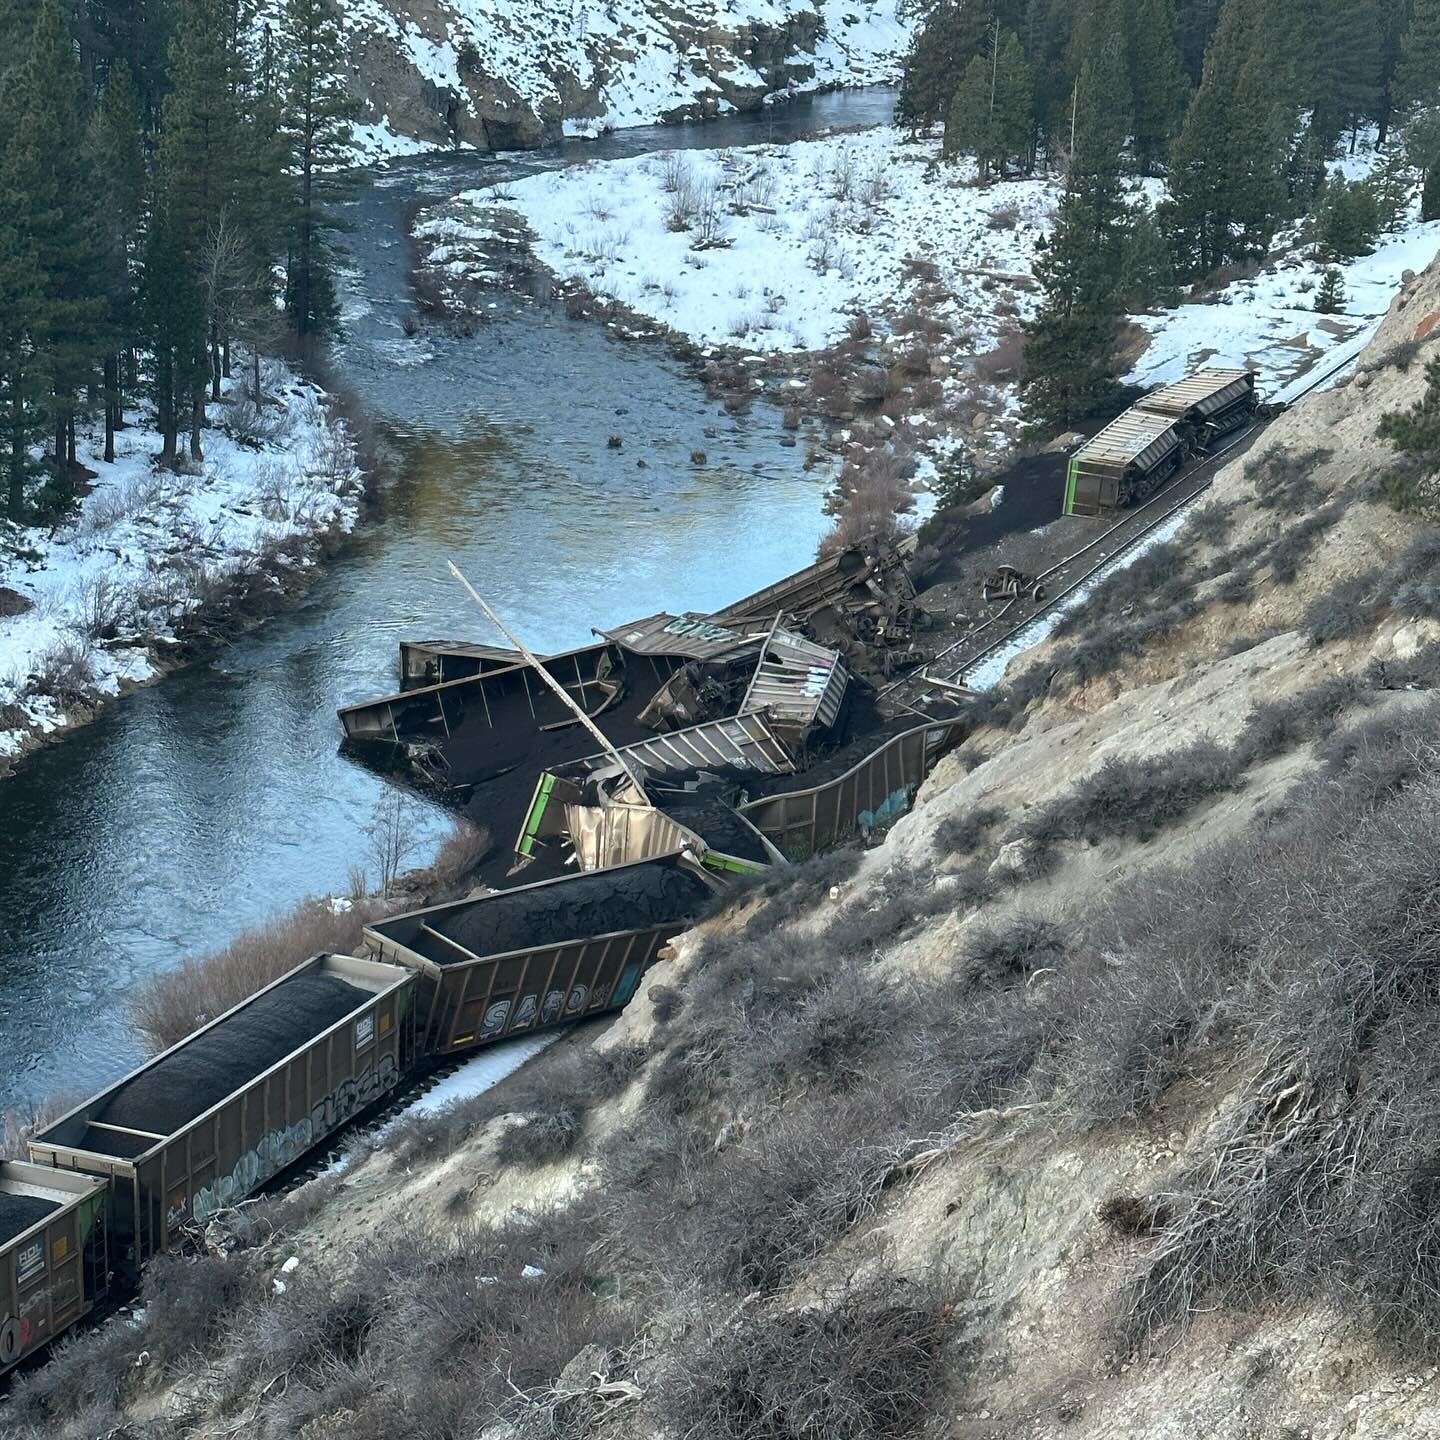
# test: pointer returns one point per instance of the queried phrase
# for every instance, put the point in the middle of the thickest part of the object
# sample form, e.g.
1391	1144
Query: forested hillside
1190	136
164	187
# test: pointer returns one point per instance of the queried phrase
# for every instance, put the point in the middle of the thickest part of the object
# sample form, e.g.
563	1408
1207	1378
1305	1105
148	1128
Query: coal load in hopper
762	688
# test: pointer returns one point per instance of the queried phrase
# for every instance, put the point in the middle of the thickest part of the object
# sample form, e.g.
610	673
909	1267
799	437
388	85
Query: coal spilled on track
602	902
19	1212
222	1060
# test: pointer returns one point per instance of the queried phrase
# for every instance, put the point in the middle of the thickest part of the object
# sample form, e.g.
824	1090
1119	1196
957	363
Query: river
217	796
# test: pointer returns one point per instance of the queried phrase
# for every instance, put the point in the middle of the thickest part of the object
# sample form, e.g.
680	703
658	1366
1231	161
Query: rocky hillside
510	74
1097	1101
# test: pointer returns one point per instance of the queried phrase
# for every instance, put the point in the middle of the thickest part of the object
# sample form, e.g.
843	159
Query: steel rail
923	677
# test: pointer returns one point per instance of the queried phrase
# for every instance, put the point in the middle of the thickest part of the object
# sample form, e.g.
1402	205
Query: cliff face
508	74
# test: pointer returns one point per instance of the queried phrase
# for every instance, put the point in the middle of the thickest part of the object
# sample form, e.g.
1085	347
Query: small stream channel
218	796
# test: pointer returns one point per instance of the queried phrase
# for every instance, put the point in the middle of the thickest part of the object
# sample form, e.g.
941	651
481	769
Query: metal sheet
796	681
742	742
691	636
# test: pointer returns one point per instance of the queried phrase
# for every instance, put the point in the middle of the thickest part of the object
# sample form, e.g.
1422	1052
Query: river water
218	796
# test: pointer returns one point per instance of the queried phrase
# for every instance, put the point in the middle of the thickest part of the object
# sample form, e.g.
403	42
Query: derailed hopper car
866	796
536	955
1138	451
54	1265
215	1117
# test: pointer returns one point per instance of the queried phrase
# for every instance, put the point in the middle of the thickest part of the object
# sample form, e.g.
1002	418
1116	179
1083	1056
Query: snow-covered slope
513	73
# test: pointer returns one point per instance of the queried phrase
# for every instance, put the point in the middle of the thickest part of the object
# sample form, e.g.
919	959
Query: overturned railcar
1207	404
863	797
1134	455
537	955
54	1262
211	1120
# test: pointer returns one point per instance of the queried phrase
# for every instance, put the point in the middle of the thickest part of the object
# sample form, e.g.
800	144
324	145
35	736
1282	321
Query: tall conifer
316	126
1157	81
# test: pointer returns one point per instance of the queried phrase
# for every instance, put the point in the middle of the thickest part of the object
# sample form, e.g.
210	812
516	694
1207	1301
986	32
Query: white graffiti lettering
278	1149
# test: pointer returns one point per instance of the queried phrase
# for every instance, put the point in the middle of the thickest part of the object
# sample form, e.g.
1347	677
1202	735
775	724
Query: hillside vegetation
1096	1101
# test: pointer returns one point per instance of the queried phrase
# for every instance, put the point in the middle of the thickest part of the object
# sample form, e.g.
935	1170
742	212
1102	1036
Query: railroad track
947	672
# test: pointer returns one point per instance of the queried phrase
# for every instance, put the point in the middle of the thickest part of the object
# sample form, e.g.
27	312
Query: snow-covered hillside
506	74
94	604
774	247
801	237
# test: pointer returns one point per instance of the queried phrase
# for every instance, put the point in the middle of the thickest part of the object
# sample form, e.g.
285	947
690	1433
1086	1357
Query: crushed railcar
1138	451
208	1122
54	1260
538	955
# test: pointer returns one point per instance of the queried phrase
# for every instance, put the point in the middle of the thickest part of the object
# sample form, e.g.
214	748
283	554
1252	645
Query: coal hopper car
1137	452
54	1264
209	1122
542	954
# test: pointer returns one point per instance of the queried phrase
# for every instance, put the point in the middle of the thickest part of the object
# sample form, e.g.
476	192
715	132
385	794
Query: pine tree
1227	168
316	125
24	384
45	171
1417	71
952	34
992	116
1070	346
1330	299
1148	277
200	165
1414	485
1157	81
1346	45
1395	16
1348	221
1046	38
1430	195
1195	24
174	319
117	167
1102	43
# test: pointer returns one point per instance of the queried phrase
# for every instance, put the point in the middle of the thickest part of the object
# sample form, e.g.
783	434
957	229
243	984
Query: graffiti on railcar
278	1149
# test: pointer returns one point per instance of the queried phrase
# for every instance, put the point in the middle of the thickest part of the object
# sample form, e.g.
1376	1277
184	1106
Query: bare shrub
1285	479
1005	362
542	1138
65	671
964	834
1013	949
1275	726
1134	798
1003	217
393	835
168	1007
709	221
19	1122
460	852
866	1365
674	171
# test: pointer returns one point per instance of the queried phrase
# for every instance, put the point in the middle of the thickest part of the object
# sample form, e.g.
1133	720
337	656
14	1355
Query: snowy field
101	595
781	245
639	61
811	233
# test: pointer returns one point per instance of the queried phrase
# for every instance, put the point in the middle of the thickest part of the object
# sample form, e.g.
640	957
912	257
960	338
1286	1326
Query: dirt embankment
1094	1102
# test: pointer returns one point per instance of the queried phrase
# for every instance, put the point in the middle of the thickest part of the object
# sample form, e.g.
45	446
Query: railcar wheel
9	1342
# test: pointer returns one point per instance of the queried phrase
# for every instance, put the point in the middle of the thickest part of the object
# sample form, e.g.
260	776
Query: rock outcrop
523	73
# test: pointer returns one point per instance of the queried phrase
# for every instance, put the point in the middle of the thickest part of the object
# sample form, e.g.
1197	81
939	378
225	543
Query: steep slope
509	74
1097	1101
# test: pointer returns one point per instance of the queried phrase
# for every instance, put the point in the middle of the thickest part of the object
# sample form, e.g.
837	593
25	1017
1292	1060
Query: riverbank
858	277
156	564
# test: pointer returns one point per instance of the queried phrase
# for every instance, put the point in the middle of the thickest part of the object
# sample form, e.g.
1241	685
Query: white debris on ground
99	596
624	63
782	244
